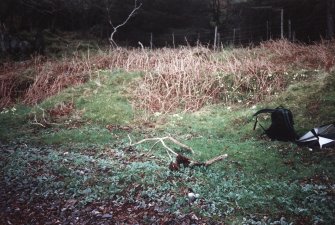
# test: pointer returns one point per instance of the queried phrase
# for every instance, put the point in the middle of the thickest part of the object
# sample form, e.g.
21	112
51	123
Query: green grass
83	135
312	101
81	159
14	123
102	100
105	103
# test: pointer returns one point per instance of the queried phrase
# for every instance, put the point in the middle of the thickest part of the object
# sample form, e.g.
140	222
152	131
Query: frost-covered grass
259	178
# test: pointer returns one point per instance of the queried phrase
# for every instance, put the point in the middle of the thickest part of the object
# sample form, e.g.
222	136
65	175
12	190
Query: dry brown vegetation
185	78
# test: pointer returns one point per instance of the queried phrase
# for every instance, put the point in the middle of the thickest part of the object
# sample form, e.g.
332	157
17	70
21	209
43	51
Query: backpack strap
256	121
264	111
259	125
259	112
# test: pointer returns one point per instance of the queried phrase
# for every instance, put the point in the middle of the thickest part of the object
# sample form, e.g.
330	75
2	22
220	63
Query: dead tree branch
186	162
211	161
163	143
43	121
115	28
180	159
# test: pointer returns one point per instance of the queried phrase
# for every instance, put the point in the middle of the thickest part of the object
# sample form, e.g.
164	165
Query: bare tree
218	7
330	18
46	7
116	27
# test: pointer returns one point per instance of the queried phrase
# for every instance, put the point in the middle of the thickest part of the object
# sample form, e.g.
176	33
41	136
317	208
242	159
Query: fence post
330	19
267	30
282	23
289	30
173	43
198	40
151	40
215	37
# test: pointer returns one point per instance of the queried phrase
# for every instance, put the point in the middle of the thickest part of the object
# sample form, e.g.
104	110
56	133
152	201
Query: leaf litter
118	184
50	185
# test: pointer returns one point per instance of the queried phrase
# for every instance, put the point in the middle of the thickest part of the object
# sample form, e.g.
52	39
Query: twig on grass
186	162
163	143
37	123
129	140
168	150
211	161
43	123
180	159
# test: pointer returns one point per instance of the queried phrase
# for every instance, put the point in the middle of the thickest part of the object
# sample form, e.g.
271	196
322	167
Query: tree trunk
330	18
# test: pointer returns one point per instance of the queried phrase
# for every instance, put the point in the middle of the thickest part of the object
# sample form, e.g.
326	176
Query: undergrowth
174	79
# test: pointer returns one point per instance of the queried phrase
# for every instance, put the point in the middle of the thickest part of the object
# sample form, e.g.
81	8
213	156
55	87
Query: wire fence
295	30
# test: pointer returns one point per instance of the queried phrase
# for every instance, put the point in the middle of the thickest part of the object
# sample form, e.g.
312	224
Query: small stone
107	216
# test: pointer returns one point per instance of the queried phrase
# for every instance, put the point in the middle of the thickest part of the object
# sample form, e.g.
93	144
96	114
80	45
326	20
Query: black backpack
281	127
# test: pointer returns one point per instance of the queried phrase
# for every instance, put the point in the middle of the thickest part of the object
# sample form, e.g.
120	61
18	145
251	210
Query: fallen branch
37	123
163	143
43	123
186	162
180	159
216	159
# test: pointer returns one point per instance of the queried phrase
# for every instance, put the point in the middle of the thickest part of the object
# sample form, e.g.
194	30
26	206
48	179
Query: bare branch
180	144
163	143
129	140
158	140
216	159
115	28
186	162
165	146
36	122
43	123
180	159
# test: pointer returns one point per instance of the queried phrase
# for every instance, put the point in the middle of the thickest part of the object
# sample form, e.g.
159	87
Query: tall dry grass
318	56
184	78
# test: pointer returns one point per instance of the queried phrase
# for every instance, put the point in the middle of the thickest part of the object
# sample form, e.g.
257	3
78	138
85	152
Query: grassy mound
174	79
